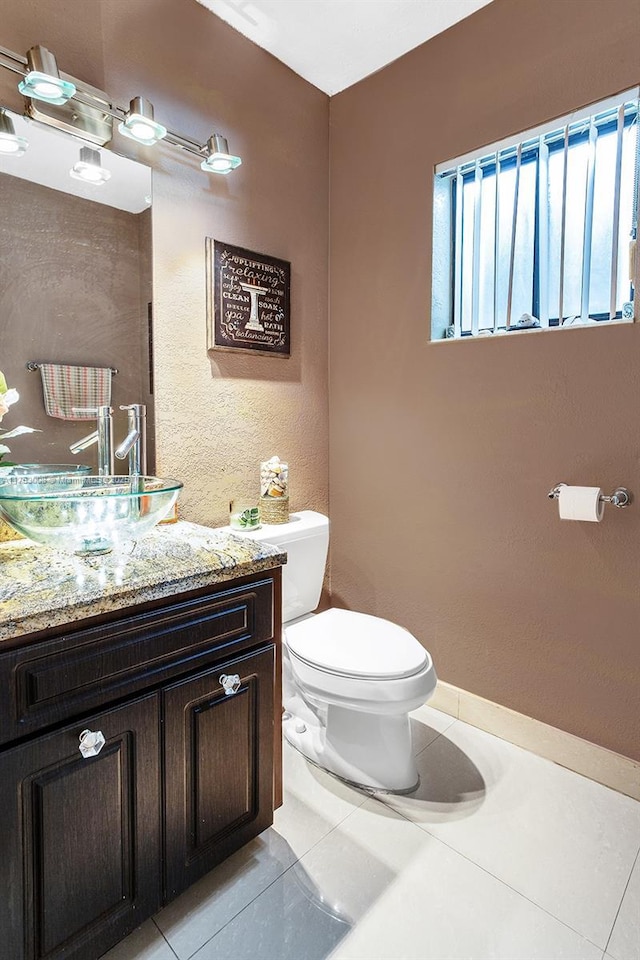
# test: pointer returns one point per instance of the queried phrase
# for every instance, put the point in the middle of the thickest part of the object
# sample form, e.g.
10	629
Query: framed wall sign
247	300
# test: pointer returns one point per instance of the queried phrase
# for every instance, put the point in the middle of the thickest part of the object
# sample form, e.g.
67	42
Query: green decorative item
243	515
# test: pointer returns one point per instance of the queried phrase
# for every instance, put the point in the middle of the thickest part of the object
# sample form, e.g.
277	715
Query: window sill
516	334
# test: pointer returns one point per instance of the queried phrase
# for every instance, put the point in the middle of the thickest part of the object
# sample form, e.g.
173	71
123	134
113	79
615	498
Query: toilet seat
356	645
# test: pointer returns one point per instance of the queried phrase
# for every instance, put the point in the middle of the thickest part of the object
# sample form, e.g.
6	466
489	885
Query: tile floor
499	855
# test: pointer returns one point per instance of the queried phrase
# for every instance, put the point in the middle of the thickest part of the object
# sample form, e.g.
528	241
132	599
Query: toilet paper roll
580	503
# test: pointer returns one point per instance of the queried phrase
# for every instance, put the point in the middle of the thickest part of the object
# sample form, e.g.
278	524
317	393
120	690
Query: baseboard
612	769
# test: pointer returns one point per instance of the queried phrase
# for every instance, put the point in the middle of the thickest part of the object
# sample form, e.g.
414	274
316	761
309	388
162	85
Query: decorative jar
274	491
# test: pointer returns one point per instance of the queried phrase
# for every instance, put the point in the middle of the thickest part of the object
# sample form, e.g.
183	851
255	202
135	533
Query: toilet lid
356	645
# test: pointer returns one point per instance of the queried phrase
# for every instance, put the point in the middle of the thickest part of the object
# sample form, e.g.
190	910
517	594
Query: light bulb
45	88
139	123
88	168
11	145
219	159
142	130
42	80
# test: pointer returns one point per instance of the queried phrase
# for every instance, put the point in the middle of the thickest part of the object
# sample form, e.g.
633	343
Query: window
539	231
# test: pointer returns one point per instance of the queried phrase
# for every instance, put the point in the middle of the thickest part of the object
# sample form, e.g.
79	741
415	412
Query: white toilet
349	679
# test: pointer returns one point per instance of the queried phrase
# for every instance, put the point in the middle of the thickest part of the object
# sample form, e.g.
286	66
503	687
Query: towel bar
36	364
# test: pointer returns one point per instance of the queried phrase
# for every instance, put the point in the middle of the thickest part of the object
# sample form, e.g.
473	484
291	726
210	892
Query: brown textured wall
442	454
217	415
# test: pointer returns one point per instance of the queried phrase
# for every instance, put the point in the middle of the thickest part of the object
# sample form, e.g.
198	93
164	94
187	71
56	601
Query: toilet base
370	751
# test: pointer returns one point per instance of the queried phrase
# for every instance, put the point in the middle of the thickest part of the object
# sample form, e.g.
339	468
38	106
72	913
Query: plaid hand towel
67	389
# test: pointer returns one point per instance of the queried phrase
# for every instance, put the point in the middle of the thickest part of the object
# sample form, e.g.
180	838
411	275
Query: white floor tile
378	888
204	908
625	938
145	943
563	841
424	901
426	725
314	802
373	885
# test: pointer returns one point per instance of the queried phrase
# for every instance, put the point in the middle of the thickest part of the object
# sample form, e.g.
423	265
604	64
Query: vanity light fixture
42	80
140	124
89	114
89	168
219	160
11	145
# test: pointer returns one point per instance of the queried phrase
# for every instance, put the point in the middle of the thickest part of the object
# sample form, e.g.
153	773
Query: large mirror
75	286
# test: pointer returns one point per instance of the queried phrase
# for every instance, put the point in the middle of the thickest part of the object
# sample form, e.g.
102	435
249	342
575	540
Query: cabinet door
81	837
218	757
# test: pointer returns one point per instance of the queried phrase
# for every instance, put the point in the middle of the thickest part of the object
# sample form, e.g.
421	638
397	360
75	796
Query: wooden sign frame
248	300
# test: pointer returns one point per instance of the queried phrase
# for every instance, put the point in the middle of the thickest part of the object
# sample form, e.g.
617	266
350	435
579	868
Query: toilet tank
306	539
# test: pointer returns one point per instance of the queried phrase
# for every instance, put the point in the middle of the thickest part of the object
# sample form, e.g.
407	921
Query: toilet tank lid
356	645
303	524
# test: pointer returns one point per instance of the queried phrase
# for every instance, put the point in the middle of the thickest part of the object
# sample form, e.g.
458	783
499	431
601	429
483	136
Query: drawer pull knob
91	743
230	683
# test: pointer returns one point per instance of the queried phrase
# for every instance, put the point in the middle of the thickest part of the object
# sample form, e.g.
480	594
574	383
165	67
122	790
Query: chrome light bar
88	112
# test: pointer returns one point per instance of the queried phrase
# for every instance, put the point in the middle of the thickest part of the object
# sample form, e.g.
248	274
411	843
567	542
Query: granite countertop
41	588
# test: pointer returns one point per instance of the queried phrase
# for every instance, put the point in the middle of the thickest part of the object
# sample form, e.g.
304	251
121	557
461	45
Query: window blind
538	227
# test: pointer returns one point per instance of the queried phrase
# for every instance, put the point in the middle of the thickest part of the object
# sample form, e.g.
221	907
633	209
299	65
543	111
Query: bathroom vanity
139	729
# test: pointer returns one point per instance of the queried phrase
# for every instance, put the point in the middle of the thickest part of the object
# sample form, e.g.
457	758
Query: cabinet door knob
91	743
230	683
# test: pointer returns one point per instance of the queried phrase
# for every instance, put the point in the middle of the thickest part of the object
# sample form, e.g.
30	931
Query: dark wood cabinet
81	837
219	766
93	846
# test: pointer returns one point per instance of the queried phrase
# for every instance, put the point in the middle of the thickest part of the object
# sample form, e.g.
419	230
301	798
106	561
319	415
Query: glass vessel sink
38	469
87	515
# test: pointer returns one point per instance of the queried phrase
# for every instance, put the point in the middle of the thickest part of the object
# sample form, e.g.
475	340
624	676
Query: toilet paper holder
621	497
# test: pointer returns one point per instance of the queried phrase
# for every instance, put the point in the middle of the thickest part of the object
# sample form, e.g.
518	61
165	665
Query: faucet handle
101	411
97	412
135	443
87	441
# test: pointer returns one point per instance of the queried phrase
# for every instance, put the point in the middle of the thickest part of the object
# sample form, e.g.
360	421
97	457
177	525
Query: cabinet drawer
78	670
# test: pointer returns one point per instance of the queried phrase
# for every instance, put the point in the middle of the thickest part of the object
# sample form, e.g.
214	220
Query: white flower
7	398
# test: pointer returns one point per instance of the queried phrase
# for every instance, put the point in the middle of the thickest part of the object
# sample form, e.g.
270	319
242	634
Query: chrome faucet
134	444
103	436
